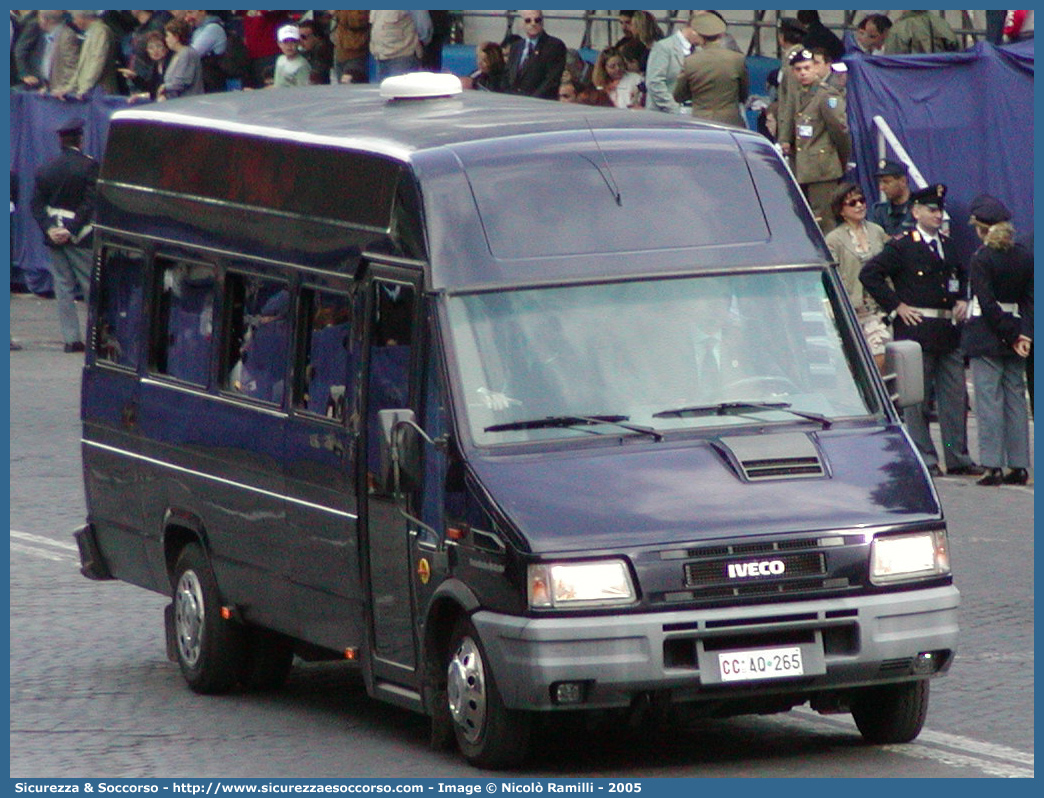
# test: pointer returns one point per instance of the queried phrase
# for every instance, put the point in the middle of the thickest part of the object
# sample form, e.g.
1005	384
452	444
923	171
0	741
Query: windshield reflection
644	350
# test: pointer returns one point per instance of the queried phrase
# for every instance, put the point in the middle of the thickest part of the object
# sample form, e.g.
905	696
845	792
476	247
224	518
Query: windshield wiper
737	408
573	421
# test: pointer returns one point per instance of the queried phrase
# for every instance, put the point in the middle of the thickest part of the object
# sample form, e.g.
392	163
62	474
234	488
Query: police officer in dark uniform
63	206
925	302
894	213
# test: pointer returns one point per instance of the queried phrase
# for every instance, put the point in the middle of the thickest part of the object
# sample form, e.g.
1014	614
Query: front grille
714	572
766	569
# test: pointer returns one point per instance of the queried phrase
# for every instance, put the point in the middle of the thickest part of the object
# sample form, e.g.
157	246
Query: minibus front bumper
607	661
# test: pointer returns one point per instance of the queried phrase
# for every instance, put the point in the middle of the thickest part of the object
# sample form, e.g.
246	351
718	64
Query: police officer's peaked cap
74	127
707	24
935	194
804	54
988	210
889	169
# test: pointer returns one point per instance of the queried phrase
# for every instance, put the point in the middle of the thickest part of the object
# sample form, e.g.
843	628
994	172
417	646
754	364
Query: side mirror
904	373
400	450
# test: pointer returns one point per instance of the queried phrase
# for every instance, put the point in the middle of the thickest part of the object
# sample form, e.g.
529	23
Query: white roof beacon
420	86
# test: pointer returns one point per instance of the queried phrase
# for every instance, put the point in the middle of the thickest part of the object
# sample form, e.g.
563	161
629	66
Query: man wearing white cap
291	69
713	77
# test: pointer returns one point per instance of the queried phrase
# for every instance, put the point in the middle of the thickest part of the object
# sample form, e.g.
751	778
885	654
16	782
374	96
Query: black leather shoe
73	347
1017	476
972	470
934	470
993	477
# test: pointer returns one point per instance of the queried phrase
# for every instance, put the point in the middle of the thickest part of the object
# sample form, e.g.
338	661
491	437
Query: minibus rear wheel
891	713
210	649
488	733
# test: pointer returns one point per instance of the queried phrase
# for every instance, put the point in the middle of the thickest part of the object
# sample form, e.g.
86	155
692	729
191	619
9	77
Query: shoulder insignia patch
914	235
832	102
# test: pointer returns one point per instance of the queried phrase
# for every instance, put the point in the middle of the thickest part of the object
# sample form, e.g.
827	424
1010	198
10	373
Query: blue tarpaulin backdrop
966	119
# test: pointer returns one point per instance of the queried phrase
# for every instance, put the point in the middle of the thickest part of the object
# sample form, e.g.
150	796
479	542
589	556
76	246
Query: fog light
926	662
567	692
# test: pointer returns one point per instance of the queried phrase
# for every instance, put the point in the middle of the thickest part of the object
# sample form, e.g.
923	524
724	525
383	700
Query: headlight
897	558
582	584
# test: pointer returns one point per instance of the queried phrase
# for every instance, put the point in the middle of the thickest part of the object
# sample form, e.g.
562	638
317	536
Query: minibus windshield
625	358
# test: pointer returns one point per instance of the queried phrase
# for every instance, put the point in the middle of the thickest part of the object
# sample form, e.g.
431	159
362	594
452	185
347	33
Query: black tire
892	713
210	650
269	658
488	734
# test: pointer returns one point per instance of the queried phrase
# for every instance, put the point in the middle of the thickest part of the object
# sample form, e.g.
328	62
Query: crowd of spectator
159	55
69	53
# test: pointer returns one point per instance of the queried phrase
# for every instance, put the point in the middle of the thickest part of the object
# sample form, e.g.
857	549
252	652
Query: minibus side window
323	382
184	320
120	292
391	336
255	337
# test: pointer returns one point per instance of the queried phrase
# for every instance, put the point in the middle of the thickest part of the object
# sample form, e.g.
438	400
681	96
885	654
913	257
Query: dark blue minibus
519	407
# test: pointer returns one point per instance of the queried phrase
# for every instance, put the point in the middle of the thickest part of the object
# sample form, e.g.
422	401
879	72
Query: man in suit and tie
537	60
664	66
919	281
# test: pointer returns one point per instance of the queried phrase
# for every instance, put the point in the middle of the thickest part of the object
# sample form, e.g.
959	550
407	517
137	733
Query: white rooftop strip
369	144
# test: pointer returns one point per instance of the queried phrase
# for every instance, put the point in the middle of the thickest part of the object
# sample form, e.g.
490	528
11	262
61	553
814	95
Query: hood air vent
778	456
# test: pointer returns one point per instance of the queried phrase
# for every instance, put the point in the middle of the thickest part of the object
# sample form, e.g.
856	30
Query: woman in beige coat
852	243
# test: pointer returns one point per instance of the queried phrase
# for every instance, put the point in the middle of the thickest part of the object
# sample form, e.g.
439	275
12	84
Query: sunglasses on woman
855	201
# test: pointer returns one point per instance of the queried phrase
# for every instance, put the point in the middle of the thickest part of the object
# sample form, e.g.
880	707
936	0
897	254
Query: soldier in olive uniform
789	35
713	77
925	300
920	32
821	143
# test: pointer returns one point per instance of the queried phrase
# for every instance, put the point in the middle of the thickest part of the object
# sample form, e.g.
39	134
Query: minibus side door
392	340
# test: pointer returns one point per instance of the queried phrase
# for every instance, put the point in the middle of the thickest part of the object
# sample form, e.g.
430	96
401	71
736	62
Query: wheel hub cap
466	689
189	617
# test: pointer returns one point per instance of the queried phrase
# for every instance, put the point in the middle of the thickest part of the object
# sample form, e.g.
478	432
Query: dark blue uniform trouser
943	379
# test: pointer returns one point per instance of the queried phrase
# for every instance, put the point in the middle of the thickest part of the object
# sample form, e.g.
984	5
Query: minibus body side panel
112	474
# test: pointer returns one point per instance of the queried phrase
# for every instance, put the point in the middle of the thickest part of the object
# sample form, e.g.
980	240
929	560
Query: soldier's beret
707	24
935	194
988	210
804	54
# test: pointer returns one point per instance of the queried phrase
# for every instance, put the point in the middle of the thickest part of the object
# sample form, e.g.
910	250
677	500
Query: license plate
765	663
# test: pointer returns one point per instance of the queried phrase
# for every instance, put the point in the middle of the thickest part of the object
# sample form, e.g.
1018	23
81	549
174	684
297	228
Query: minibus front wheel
210	649
488	733
891	713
